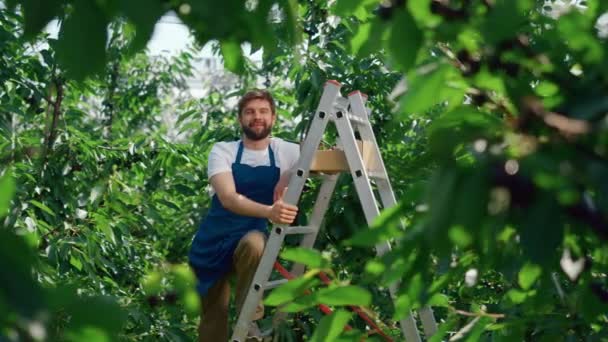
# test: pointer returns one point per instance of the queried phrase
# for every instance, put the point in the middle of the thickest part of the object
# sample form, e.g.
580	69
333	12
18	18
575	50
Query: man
248	178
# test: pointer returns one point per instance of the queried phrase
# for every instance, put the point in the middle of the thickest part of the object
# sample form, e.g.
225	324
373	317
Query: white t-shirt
223	154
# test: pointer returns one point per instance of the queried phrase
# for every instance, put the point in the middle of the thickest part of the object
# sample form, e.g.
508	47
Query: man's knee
252	244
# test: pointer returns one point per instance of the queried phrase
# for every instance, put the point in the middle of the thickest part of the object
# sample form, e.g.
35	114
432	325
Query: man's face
257	119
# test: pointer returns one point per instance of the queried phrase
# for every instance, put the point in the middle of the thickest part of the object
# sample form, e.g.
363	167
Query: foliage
92	198
491	116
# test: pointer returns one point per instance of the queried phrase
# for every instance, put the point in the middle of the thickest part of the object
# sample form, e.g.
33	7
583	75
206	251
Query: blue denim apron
219	233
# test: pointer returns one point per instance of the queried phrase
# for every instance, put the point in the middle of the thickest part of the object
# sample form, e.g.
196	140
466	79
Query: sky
169	38
170	35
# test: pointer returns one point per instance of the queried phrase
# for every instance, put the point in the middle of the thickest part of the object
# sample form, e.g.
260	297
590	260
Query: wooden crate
333	161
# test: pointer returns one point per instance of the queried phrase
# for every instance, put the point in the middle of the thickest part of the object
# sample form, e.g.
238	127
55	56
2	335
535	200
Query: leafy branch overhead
84	26
491	116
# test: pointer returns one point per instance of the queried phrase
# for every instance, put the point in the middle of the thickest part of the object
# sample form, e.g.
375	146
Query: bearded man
248	178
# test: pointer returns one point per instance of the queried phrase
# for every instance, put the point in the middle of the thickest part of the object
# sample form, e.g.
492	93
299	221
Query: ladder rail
318	212
387	195
357	106
256	289
370	206
312	141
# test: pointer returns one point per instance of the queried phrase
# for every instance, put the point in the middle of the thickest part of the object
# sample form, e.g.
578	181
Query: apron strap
271	154
239	154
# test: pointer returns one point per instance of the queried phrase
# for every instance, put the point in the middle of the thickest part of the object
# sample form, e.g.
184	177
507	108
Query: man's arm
279	212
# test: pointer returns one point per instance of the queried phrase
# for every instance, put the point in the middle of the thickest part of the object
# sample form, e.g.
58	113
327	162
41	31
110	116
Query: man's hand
281	212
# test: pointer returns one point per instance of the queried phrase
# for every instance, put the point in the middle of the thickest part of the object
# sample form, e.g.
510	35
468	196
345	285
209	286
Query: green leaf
102	223
405	40
397	266
37	15
461	125
81	45
103	313
528	275
460	236
389	215
144	14
505	19
421	11
516	296
411	299
152	283
42	207
385	227
262	33
546	88
440	84
76	263
331	326
370	38
355	335
185	115
424	89
471	203
291	18
18	290
169	204
374	267
540	245
233	56
191	301
442	194
344	295
306	256
587	300
358	8
299	304
574	27
372	237
439	299
7	191
183	277
184	190
480	324
444	328
292	289
360	37
88	333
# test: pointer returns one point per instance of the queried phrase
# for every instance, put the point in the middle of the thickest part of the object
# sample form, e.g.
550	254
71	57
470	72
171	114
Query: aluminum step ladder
363	160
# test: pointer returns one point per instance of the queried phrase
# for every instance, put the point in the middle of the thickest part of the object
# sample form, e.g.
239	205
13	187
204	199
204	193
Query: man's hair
256	94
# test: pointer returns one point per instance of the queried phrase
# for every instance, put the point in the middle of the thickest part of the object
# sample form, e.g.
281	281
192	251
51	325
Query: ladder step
275	283
358	119
300	230
377	175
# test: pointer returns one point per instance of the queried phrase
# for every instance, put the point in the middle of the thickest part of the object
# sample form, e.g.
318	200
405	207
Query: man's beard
256	136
